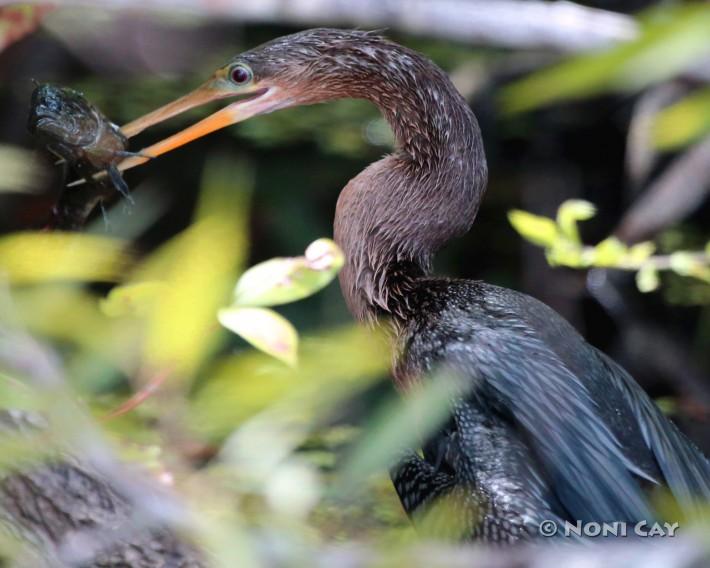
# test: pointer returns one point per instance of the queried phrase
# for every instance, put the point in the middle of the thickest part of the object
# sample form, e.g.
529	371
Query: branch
563	247
561	26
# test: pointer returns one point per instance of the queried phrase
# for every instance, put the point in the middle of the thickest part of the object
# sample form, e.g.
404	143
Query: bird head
299	69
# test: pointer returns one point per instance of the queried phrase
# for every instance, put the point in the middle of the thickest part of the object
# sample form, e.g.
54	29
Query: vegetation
149	349
563	246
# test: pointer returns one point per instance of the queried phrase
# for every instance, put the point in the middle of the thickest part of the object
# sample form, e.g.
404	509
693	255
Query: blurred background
602	101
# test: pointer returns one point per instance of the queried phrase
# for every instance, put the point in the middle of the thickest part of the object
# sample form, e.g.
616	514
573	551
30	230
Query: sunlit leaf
641	252
563	253
27	258
226	188
683	122
569	213
609	252
283	280
181	324
198	267
264	329
647	279
671	39
132	299
539	230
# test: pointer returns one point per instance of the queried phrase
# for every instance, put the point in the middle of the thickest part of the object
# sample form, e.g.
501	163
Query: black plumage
544	427
550	429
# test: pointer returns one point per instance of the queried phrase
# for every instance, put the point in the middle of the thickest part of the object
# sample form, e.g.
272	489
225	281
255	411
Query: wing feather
587	468
685	469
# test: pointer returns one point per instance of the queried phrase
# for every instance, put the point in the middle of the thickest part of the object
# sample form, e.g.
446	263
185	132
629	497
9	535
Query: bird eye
240	74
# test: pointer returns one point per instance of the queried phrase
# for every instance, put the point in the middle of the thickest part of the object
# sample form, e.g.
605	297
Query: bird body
545	427
549	428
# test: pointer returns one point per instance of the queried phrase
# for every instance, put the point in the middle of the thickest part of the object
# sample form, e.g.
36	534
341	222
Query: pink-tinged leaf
282	280
264	329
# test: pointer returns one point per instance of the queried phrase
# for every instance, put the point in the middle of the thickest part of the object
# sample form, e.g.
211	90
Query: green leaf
264	329
683	122
34	257
569	213
282	280
609	252
641	252
564	253
131	299
671	39
539	230
198	267
647	278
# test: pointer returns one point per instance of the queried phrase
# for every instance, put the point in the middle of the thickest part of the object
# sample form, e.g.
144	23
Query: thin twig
140	396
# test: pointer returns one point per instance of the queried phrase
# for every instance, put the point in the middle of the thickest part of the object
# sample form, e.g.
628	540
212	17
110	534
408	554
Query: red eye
240	75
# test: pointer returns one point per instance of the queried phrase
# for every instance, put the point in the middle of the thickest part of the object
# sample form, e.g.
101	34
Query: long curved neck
398	212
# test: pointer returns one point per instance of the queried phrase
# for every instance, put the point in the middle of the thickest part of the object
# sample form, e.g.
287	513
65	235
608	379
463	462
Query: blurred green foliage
167	385
295	446
153	366
673	40
684	121
673	37
563	247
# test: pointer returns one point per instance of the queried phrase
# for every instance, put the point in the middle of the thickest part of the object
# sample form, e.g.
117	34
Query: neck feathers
398	212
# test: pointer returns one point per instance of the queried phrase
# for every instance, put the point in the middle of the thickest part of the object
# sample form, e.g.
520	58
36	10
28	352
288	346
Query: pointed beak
258	100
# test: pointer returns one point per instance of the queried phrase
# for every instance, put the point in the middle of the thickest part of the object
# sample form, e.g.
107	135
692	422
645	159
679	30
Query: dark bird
547	427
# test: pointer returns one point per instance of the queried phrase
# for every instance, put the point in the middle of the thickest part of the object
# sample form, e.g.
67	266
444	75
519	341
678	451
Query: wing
515	373
685	469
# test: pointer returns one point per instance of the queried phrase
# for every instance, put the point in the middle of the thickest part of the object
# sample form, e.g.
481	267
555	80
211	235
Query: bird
542	426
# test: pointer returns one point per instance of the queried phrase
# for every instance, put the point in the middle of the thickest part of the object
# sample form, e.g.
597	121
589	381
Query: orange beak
260	100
